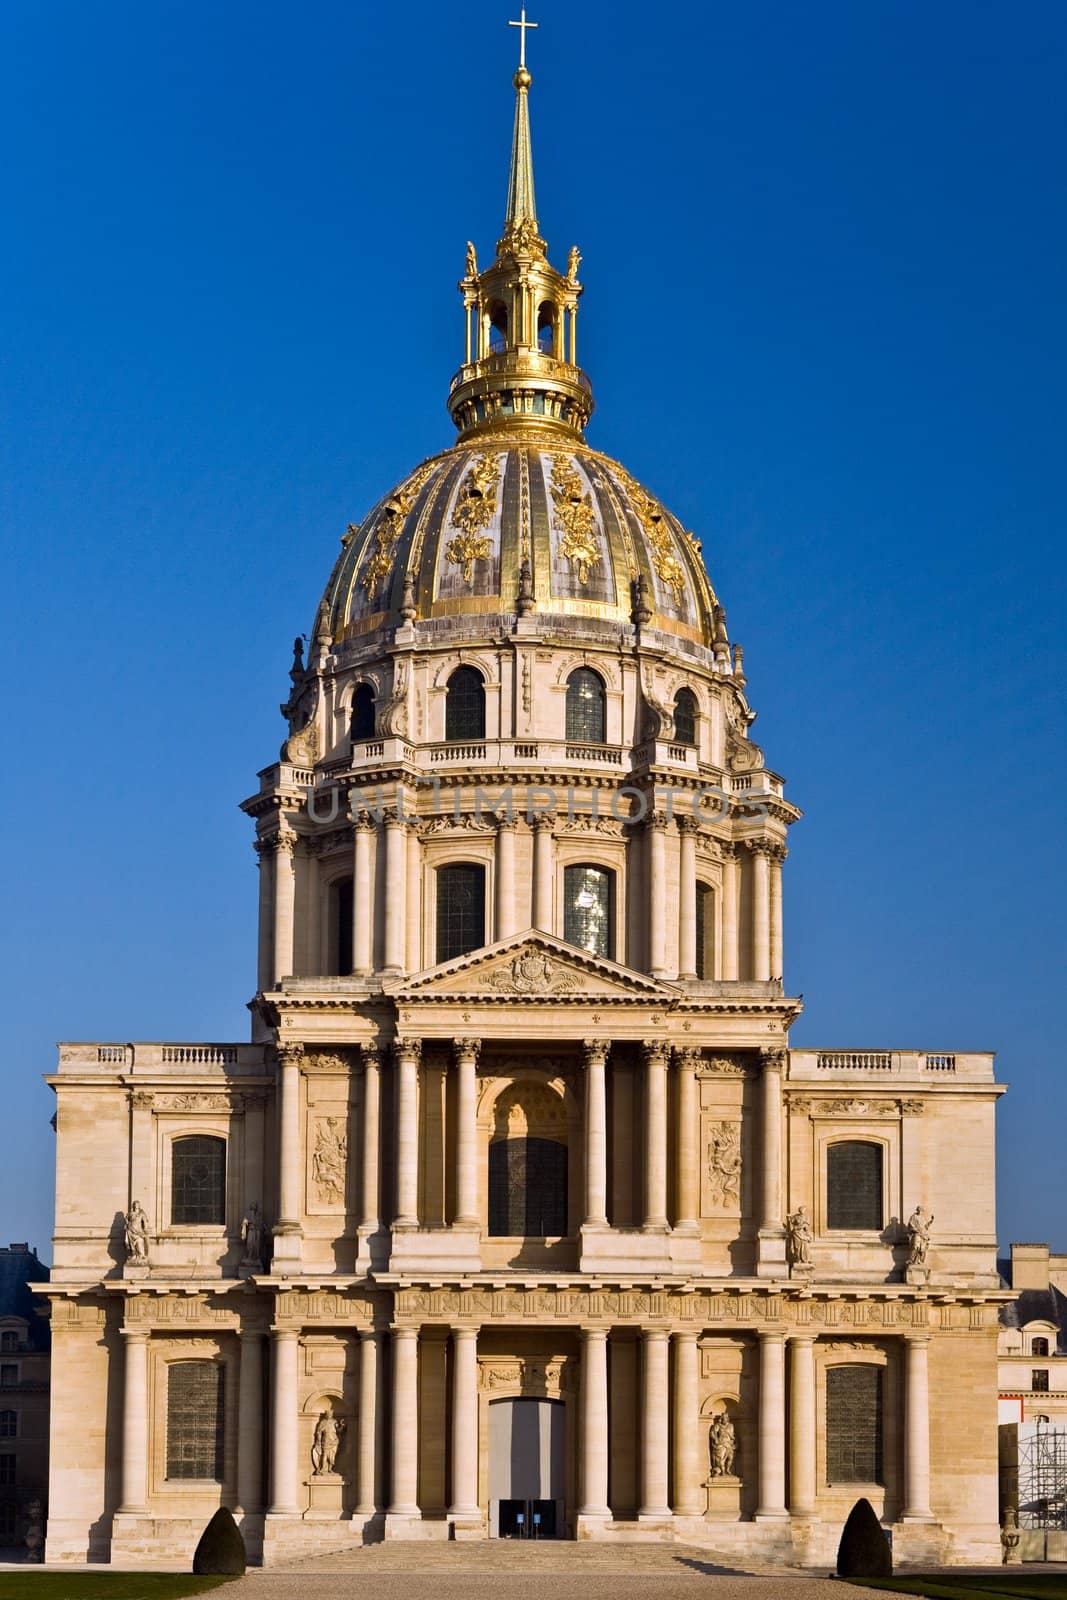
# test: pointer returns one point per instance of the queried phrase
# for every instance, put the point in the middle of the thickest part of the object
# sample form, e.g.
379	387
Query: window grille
587	908
198	1181
527	1188
854	1424
7	1469
586	718
465	705
195	1419
685	717
1039	1380
460	910
9	1424
362	726
705	910
854	1185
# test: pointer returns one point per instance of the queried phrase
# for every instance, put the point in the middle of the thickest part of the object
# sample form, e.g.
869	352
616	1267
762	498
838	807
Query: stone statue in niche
252	1235
724	1164
918	1226
135	1233
722	1445
326	1443
798	1238
34	1540
329	1160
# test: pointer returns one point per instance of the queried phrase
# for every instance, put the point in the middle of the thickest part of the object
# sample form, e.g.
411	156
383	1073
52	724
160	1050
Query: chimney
1029	1266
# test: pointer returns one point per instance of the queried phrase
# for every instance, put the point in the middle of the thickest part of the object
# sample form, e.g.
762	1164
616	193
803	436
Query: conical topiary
221	1551
864	1549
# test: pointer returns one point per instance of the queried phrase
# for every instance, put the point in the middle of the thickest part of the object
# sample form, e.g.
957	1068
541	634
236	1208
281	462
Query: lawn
980	1586
33	1584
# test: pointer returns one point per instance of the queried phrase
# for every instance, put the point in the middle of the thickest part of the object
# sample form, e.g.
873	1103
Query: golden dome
454	537
521	516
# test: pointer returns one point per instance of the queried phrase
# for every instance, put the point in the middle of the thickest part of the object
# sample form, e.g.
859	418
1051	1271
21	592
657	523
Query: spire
520	221
520	370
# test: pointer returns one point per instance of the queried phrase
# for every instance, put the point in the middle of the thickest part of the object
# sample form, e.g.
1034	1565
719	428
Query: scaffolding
1042	1488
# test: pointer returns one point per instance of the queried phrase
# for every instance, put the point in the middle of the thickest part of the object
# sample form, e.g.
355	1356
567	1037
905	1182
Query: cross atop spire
522	26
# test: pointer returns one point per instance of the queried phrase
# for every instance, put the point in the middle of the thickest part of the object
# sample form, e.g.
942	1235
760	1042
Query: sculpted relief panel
328	1162
720	1174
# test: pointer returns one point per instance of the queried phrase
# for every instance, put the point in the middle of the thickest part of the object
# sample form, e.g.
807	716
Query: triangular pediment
531	966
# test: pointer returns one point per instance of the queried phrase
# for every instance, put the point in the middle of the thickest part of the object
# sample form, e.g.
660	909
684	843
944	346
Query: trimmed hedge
864	1549
221	1551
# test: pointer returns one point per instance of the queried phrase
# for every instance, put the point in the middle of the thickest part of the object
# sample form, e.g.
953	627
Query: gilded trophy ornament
474	510
575	519
390	526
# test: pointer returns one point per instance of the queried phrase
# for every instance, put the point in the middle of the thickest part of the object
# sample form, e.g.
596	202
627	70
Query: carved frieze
329	1160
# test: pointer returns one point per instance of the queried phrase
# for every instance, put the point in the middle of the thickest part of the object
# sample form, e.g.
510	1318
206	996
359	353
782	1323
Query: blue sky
824	253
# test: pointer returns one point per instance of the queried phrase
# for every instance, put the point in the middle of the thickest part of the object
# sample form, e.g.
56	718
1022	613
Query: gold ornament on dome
661	545
474	510
575	519
390	526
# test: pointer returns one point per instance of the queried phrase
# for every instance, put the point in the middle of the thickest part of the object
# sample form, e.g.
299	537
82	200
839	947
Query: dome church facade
518	1216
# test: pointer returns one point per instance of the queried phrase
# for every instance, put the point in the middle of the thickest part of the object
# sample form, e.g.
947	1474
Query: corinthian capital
467	1049
409	1048
290	1054
773	1059
595	1052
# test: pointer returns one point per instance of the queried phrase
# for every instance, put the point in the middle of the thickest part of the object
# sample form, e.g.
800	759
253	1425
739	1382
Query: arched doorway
527	1456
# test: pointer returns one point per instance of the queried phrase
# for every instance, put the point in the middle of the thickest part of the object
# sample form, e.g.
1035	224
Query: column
687	898
771	1427
761	911
413	910
464	1423
654	1390
467	1051
250	1422
595	1052
284	901
593	1424
655	1136
265	969
731	895
656	829
404	1500
802	1425
506	919
395	892
542	871
574	336
917	1430
773	1064
368	1422
285	1345
688	1455
362	898
134	1420
370	1143
407	1133
688	1174
289	1163
776	962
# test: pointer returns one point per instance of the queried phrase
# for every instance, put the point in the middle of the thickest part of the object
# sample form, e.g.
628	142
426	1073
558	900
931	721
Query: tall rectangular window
195	1419
198	1181
1039	1379
854	1185
854	1424
460	909
7	1469
9	1374
588	908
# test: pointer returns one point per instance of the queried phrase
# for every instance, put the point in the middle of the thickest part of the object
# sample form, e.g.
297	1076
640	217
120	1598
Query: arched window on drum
465	705
685	717
361	727
586	707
